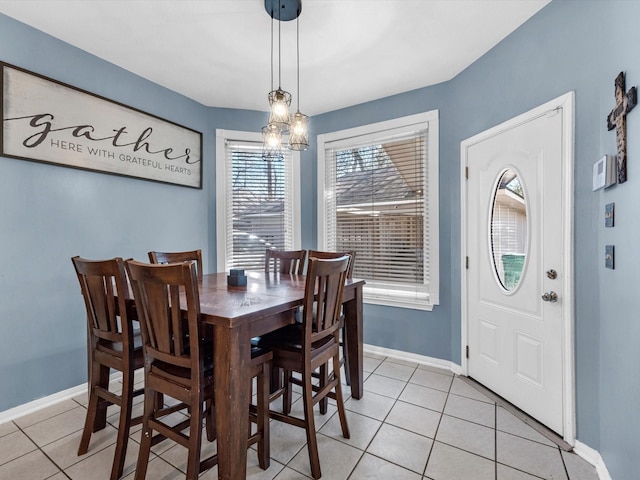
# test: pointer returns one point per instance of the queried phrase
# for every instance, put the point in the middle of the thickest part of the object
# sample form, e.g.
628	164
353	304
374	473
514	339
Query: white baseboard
593	457
413	357
49	400
39	404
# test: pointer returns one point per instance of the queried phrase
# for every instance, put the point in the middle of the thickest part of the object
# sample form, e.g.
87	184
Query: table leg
354	340
232	356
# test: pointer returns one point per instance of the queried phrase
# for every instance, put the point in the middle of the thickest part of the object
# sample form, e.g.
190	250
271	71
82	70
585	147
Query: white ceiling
217	52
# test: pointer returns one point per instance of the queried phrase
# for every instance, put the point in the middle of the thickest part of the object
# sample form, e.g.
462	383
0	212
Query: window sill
424	305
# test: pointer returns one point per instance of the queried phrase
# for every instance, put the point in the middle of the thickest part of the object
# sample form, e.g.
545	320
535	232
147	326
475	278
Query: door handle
550	297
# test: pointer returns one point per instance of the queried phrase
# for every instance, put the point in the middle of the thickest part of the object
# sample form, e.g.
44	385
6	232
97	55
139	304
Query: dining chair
173	257
304	347
284	261
179	364
112	344
344	360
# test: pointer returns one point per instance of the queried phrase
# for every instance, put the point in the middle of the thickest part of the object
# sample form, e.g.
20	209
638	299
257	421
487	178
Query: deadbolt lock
552	274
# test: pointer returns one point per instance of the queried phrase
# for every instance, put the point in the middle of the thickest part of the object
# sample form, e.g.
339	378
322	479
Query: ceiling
217	52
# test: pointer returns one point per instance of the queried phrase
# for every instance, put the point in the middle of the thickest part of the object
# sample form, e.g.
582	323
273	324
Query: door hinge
554	112
467	351
466	263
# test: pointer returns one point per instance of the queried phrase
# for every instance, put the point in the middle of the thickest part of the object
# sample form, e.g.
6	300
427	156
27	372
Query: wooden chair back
344	359
325	255
285	261
106	294
323	299
167	339
175	257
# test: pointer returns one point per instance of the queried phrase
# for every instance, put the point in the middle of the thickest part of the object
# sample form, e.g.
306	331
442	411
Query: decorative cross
618	119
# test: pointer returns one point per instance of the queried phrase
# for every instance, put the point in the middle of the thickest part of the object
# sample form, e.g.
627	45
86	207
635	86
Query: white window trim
432	119
293	191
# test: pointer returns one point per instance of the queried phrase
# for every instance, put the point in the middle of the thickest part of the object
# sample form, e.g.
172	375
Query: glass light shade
279	100
299	132
272	141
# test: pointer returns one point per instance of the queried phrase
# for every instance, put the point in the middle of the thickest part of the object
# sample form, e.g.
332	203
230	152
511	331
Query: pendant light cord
298	56
279	51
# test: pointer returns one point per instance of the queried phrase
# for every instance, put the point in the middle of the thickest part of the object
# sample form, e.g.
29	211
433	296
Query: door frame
567	103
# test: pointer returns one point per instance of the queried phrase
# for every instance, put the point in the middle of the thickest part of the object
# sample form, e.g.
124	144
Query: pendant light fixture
280	120
299	133
272	132
271	142
279	100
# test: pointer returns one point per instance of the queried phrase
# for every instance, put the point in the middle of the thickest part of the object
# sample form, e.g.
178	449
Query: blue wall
50	213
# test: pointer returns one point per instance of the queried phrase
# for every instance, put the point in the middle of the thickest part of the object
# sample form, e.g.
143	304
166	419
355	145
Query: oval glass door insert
509	236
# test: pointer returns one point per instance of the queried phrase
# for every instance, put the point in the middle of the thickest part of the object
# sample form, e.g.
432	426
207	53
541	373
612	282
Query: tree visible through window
257	208
258	197
380	211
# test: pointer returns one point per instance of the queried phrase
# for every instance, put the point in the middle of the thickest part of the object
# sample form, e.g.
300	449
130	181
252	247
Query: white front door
517	234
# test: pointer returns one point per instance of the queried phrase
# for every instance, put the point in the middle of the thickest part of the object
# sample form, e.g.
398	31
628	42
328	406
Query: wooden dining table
267	302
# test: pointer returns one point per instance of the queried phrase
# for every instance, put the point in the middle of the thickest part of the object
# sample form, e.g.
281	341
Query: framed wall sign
48	121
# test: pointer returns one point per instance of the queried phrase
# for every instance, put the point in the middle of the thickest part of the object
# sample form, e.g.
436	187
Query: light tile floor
413	422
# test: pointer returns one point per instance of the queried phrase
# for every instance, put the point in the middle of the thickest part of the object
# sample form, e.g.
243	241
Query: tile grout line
60	470
383	421
495	440
522	416
435	434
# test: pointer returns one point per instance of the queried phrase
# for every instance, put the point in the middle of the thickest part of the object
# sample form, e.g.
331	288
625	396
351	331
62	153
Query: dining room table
239	313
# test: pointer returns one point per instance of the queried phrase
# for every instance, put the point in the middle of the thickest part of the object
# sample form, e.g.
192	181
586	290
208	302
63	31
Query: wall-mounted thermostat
604	172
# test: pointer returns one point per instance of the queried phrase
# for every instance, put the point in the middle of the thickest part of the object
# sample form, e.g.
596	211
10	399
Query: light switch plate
609	256
609	214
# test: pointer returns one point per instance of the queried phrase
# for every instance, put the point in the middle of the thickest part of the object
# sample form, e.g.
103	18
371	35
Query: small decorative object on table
237	278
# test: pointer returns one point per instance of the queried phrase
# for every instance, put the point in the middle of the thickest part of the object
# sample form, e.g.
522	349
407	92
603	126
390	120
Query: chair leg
195	439
276	379
102	377
210	420
340	399
95	378
88	422
288	394
322	381
124	424
312	440
147	434
263	386
345	356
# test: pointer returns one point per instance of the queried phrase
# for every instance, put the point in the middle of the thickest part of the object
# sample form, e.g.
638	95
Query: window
378	196
257	201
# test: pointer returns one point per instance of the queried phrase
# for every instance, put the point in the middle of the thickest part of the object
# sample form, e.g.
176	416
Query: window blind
376	205
259	216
